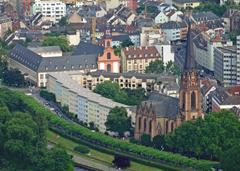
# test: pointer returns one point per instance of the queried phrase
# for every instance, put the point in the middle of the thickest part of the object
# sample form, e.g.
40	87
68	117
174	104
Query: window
193	101
108	55
144	124
41	76
109	68
150	126
108	44
139	123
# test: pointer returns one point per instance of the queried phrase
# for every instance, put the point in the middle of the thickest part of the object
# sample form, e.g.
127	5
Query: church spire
189	59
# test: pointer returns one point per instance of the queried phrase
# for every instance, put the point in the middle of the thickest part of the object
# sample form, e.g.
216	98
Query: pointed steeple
189	59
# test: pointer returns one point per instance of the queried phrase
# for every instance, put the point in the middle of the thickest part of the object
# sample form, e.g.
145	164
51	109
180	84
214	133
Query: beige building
164	83
5	25
186	3
87	105
138	58
150	36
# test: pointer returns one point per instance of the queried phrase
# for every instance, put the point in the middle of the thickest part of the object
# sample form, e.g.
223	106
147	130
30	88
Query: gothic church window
193	101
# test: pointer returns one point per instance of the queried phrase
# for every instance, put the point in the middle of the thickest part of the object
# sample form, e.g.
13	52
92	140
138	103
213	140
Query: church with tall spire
161	114
190	105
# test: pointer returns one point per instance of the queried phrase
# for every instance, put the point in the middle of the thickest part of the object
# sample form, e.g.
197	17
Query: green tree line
112	91
23	144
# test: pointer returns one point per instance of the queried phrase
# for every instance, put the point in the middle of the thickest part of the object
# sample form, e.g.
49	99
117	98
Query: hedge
82	149
99	139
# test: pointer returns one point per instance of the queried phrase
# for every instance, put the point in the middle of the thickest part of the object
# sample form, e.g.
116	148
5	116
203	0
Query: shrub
82	149
121	161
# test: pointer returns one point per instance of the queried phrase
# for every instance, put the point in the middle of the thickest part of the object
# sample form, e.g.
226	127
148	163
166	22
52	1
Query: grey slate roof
204	16
173	25
37	63
163	105
88	49
157	77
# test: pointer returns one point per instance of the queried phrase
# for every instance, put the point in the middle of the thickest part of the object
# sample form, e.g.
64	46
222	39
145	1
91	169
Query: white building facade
52	10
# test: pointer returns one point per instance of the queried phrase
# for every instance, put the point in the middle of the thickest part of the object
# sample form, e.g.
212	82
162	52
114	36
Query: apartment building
138	58
150	36
238	60
163	83
225	65
5	25
87	105
52	10
174	30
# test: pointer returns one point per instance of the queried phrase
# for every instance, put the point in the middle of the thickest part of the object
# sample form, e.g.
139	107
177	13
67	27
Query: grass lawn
94	155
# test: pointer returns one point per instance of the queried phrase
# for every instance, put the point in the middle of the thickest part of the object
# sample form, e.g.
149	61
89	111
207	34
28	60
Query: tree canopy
230	159
112	90
13	77
158	67
62	42
118	121
206	138
23	144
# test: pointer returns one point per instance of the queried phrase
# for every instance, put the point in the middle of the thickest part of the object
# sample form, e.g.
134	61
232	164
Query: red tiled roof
234	90
141	52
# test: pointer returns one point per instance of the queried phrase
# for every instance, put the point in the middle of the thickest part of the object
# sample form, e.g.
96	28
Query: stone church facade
162	114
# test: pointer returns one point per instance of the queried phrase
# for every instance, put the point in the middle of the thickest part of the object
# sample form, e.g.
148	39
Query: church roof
162	105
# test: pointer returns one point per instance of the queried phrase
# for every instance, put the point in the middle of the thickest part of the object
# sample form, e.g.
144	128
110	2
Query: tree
230	159
126	43
23	138
107	89
158	142
206	138
47	95
173	68
211	6
63	21
156	67
62	42
121	161
13	78
125	96
59	160
118	121
146	140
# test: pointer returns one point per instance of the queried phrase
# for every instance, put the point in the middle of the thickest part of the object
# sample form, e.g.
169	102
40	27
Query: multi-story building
165	50
150	36
225	65
5	25
138	58
52	10
163	83
87	105
204	46
238	60
174	30
36	67
187	3
222	100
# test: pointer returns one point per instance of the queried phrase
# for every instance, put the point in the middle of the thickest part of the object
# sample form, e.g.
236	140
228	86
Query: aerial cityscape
108	85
